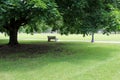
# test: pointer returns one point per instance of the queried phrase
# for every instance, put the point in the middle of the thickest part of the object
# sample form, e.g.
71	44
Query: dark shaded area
28	50
27	57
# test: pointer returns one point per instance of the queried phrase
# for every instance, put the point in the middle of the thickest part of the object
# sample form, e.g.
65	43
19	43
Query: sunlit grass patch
60	61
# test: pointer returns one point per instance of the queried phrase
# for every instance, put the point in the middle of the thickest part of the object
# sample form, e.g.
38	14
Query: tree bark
12	27
13	37
92	40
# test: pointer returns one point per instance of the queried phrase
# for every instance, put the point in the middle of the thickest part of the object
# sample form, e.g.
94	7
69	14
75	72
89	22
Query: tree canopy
17	13
85	16
69	16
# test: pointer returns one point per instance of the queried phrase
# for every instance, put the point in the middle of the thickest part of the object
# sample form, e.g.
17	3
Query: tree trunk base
92	40
13	37
13	44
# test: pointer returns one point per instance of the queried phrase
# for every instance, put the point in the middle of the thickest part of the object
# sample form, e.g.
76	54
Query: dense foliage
69	16
86	16
17	13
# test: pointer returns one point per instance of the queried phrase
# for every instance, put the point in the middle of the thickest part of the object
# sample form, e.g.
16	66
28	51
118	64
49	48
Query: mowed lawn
78	37
40	60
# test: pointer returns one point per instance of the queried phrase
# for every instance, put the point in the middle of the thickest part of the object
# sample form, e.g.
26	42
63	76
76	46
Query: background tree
111	16
88	16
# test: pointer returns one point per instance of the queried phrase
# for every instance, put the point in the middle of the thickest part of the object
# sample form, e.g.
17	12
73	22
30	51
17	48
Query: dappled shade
28	50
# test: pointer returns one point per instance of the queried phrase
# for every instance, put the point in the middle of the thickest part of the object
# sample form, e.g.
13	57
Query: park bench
52	38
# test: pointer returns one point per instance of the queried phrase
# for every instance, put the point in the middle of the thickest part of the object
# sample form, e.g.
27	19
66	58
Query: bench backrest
52	37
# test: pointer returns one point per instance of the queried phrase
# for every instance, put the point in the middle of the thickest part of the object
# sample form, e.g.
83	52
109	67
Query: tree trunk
13	37
92	40
12	27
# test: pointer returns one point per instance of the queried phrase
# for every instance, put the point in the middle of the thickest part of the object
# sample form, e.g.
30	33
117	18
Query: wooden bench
52	38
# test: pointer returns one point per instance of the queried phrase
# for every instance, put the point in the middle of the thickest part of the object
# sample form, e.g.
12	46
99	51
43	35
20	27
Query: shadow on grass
28	50
27	56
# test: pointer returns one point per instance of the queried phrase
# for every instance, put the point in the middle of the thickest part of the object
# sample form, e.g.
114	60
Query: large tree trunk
12	28
13	37
92	40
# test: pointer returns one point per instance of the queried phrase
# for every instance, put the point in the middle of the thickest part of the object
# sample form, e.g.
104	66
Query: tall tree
86	16
111	16
17	13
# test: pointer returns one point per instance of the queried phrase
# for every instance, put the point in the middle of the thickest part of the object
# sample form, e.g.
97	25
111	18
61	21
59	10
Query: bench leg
48	40
54	39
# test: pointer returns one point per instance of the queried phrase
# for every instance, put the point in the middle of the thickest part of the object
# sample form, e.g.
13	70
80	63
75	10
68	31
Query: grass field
98	37
40	60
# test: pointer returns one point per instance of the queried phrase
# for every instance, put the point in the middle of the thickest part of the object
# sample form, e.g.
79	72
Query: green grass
98	37
40	60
